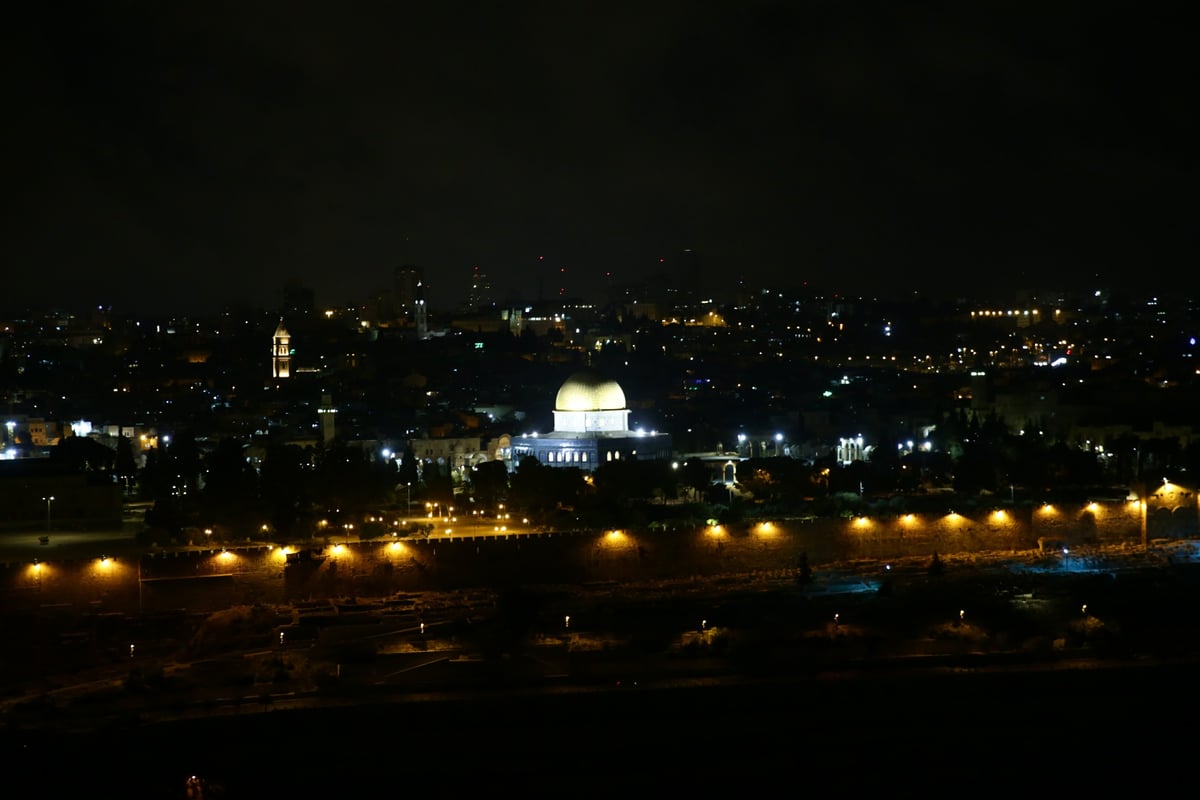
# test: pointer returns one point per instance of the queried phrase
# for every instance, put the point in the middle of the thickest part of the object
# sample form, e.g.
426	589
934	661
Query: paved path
27	545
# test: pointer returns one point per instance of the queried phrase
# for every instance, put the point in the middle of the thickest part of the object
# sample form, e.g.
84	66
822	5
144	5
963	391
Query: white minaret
281	352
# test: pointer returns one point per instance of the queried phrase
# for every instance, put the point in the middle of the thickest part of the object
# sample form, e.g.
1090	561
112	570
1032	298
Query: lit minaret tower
281	352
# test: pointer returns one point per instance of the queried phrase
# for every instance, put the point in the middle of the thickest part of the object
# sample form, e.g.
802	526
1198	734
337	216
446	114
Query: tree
489	482
975	469
697	476
630	480
230	481
407	473
172	474
849	478
348	477
283	484
883	469
620	481
166	514
83	454
760	478
527	486
538	487
125	465
183	458
437	485
566	485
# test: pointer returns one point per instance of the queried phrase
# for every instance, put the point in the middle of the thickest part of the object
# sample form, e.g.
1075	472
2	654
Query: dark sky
184	155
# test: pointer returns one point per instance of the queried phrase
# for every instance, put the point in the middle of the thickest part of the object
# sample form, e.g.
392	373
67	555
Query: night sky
183	156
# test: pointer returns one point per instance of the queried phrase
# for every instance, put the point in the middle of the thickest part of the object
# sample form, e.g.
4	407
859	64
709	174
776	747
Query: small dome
587	390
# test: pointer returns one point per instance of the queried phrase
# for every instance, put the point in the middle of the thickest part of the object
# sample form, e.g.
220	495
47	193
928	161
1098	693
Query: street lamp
49	500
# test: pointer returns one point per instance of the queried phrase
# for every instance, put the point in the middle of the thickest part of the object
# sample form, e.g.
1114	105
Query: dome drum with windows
591	426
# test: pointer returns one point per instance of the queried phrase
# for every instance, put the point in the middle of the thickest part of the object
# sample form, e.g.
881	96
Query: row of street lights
742	438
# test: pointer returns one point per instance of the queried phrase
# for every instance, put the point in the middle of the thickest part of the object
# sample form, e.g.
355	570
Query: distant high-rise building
281	352
480	295
410	297
298	300
690	273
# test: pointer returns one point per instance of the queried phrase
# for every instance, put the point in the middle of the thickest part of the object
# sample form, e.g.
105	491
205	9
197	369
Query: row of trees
287	487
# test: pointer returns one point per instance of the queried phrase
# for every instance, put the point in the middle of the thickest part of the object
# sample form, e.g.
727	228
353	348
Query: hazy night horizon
184	159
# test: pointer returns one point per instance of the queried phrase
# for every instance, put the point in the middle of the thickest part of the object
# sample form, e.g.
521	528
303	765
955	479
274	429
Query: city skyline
163	157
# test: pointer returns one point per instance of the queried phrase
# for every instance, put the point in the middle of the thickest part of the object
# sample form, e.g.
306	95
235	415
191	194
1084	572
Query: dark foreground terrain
965	676
907	734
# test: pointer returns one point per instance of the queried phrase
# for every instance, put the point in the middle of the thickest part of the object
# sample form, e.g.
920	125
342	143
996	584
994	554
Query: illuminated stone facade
281	352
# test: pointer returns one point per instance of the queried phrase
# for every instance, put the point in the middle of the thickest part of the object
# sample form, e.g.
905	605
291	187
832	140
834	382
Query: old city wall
213	578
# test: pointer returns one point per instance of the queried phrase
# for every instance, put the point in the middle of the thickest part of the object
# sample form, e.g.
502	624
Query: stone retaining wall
203	578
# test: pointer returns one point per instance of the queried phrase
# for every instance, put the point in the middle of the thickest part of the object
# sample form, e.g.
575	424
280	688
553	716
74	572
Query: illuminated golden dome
587	390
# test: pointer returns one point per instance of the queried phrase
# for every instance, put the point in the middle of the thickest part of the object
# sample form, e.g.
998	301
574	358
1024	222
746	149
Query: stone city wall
204	578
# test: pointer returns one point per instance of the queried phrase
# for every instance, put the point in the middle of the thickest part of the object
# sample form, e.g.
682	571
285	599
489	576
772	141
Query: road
65	545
